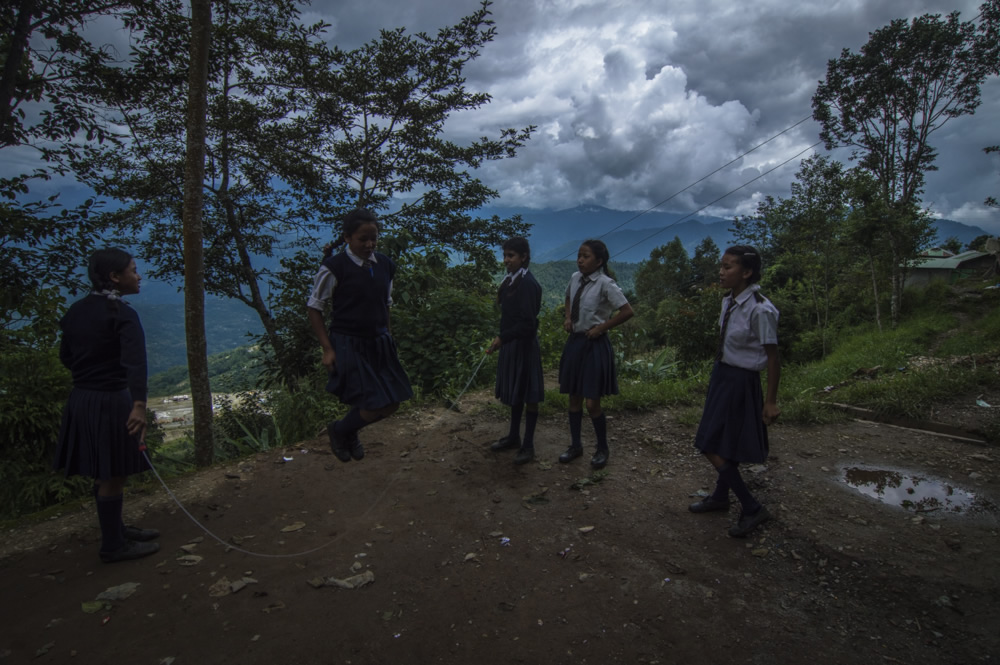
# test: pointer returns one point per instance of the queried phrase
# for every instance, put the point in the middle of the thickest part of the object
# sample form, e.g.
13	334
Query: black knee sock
530	419
109	516
97	488
729	473
515	422
575	425
352	422
601	430
721	491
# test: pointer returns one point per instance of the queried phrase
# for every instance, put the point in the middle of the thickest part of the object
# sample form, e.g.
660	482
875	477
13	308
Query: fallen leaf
353	582
293	527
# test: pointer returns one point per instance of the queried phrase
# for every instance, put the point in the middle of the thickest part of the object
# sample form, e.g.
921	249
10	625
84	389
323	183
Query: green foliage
33	388
667	271
303	415
691	324
442	337
380	112
243	424
232	371
554	276
886	102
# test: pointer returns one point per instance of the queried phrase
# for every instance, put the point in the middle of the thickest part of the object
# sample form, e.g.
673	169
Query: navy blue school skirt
732	424
519	372
93	438
587	367
367	374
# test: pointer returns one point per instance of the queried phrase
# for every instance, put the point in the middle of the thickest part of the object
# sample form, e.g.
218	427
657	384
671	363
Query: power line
700	180
732	191
727	164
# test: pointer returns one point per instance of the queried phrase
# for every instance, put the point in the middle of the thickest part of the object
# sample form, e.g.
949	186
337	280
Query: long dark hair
749	258
103	262
353	221
600	250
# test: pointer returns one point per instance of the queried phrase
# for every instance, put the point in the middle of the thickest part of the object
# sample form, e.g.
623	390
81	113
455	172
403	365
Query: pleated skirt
732	424
367	374
519	372
587	367
93	438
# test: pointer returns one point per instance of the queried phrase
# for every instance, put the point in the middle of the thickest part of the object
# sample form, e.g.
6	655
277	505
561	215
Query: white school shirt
325	282
752	324
600	297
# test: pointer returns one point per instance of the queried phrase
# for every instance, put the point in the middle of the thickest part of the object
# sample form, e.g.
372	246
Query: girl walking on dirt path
733	426
587	367
358	350
104	421
519	384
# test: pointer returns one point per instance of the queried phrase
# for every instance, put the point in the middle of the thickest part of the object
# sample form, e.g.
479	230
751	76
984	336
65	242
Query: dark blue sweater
519	306
104	347
360	303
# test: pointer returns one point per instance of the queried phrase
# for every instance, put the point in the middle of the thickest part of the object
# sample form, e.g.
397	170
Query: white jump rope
208	531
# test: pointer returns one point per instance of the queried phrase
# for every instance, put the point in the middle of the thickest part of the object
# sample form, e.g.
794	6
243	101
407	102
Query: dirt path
477	561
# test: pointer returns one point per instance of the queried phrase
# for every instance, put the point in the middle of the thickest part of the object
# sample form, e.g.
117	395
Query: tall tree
886	102
49	117
257	199
194	271
666	272
379	120
705	262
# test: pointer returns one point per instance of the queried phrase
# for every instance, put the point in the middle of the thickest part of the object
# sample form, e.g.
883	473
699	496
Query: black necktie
367	264
574	312
725	324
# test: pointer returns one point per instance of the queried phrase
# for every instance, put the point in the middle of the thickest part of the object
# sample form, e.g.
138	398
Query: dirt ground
469	559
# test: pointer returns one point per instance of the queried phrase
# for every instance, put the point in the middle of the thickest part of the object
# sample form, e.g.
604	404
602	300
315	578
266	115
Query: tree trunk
256	299
875	293
16	46
194	268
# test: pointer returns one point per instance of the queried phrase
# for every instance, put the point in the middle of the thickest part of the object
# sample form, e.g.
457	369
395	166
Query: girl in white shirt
587	367
733	426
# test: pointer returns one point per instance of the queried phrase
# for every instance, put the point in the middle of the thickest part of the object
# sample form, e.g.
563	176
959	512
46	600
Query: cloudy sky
636	100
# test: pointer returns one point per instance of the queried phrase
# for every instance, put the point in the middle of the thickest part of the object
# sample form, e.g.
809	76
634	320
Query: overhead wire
706	177
710	203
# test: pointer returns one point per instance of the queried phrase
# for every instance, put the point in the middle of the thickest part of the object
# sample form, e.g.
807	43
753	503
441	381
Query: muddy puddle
916	492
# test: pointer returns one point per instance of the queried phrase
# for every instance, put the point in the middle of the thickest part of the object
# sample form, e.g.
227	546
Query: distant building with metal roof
949	268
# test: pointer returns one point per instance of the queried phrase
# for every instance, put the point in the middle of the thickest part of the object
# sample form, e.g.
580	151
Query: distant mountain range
555	236
631	236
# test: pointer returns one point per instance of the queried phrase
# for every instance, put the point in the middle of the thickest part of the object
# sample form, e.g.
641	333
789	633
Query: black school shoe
337	443
132	549
140	535
571	454
354	445
708	505
525	455
600	458
748	523
506	443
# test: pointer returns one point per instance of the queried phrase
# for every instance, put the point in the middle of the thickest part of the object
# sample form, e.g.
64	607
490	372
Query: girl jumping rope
519	368
104	421
733	426
358	350
587	367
